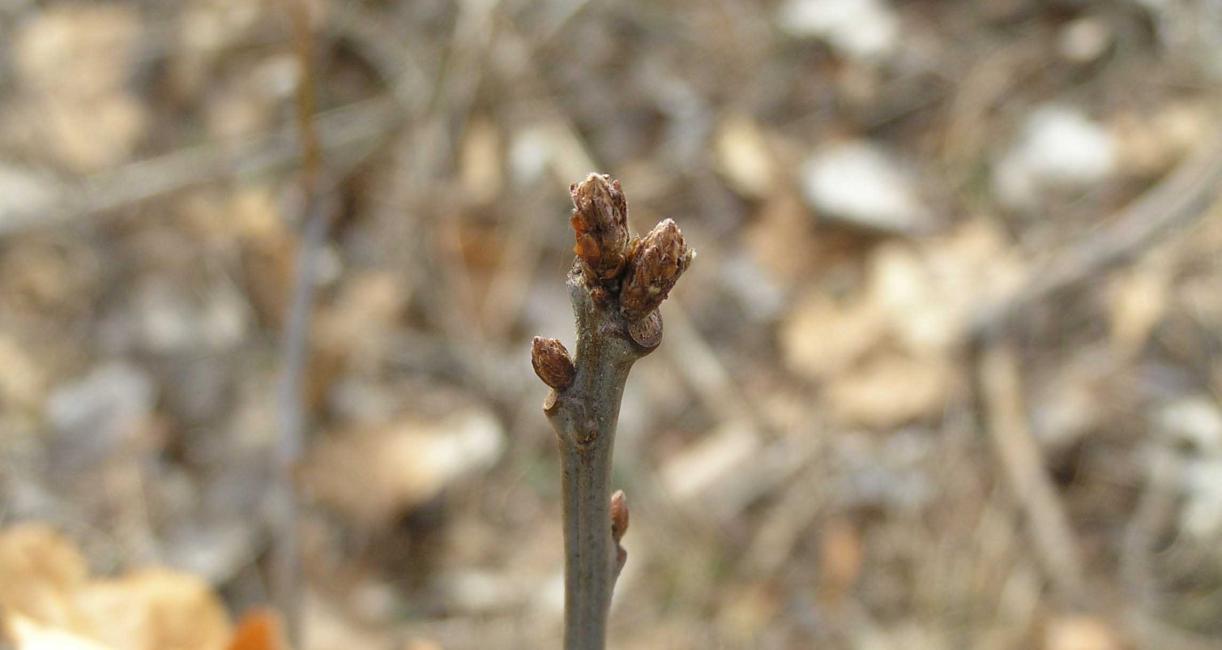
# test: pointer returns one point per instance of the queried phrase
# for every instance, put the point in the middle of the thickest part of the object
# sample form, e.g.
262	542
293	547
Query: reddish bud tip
600	226
552	363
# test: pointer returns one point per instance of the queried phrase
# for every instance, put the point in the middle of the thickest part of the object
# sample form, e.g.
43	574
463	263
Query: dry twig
616	286
287	556
1183	196
1056	546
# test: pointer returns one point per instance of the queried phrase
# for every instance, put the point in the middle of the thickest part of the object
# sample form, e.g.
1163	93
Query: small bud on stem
552	362
619	515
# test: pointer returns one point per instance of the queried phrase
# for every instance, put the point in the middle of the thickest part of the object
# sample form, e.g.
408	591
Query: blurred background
945	374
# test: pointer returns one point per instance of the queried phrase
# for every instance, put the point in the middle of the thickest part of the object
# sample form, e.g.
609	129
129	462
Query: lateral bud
552	363
660	258
600	225
619	515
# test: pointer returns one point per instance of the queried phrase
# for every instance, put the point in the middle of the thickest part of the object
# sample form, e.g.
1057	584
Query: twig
616	286
1155	509
346	134
287	582
1056	547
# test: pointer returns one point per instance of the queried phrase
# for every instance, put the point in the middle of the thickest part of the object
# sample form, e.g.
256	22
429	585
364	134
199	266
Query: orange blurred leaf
259	629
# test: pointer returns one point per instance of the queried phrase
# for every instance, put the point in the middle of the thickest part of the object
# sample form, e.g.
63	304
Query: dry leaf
929	293
22	380
781	240
40	573
28	634
1080	633
375	475
78	49
156	609
743	156
840	556
891	391
73	62
1149	144
47	598
1137	302
821	338
258	630
480	172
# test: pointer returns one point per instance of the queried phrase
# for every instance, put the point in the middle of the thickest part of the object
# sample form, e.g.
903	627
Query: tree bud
619	515
600	224
660	258
552	363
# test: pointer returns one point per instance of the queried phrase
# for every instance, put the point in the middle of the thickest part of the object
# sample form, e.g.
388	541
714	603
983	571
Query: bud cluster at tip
552	363
641	271
600	225
659	258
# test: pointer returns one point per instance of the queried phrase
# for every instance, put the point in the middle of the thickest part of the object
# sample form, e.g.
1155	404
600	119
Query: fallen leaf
49	601
821	338
258	630
891	390
840	556
28	634
156	609
377	474
743	156
1080	633
40	572
930	293
781	240
480	171
22	379
1137	302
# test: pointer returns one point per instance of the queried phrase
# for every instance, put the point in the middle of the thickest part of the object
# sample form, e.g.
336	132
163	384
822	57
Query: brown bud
660	258
647	330
619	515
600	225
552	363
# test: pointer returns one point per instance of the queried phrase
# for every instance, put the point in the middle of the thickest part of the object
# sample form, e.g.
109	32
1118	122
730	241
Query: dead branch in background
1183	196
1056	546
286	575
346	136
616	286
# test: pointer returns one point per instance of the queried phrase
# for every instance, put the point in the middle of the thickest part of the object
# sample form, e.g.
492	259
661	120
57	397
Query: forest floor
946	373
